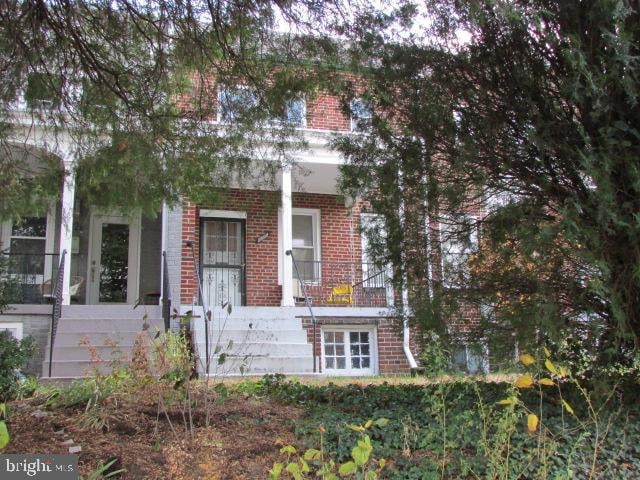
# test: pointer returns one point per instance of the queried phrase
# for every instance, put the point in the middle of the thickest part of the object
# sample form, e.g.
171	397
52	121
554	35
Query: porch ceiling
308	177
316	178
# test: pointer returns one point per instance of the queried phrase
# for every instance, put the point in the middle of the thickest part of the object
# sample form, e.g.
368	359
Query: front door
223	261
113	259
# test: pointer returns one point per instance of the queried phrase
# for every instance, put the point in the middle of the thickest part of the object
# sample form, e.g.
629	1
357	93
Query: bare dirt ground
242	441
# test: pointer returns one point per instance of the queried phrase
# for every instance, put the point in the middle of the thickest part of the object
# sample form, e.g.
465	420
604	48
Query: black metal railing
307	300
56	309
203	302
29	277
336	283
166	293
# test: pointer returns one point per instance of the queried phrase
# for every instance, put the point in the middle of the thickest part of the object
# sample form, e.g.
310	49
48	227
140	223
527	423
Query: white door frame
95	238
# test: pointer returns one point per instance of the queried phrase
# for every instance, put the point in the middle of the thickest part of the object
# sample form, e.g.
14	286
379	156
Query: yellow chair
341	294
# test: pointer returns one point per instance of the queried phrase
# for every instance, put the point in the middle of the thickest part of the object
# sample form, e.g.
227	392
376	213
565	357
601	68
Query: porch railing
203	302
56	309
166	293
29	277
307	301
347	284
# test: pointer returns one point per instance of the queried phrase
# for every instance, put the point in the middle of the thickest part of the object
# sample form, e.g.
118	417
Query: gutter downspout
405	292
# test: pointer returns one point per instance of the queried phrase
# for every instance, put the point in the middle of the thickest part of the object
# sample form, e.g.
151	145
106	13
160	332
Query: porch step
121	338
264	336
75	368
260	365
107	325
110	331
254	341
110	311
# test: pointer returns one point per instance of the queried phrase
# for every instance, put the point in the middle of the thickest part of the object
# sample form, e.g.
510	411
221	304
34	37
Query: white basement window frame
349	350
14	328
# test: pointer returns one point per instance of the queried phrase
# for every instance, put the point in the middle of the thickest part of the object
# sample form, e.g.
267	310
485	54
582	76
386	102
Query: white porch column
66	226
163	249
287	242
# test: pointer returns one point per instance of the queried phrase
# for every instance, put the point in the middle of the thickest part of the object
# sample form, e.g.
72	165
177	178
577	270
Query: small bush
14	355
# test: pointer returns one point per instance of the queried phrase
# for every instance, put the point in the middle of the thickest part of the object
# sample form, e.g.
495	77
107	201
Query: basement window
14	329
348	351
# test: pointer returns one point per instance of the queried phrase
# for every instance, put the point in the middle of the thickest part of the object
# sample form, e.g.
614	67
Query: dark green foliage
413	439
14	355
533	126
130	92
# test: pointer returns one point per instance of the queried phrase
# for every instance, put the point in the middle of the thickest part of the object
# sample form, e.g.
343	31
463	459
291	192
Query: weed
316	463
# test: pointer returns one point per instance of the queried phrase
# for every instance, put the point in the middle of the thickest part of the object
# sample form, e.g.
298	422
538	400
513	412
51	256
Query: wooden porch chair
341	294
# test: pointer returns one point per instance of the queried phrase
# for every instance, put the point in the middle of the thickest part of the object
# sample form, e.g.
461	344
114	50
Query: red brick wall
325	113
339	231
391	357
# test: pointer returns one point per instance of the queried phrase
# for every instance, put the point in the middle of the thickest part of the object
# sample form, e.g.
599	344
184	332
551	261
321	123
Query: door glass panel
222	243
114	265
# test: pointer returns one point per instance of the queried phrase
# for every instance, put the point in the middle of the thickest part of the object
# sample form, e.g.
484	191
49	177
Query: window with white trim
295	112
235	101
471	358
28	241
361	114
373	276
459	239
348	350
306	243
14	329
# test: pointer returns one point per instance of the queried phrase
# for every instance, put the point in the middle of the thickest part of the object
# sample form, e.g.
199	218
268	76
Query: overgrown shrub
14	355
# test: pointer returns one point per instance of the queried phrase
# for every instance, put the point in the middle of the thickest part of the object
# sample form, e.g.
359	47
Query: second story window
43	91
295	112
458	242
235	101
361	114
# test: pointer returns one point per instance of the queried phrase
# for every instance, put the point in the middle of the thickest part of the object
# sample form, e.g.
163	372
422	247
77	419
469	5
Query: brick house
290	262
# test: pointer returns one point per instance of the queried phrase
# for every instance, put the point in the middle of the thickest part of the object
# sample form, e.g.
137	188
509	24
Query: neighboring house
235	252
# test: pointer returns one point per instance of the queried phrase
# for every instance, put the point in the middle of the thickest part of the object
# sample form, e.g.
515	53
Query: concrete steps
251	340
254	341
109	330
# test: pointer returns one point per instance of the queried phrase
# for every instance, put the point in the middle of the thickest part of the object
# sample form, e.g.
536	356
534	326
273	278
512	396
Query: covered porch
99	256
235	251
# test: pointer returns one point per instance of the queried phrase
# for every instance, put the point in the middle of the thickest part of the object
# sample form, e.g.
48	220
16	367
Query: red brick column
190	232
